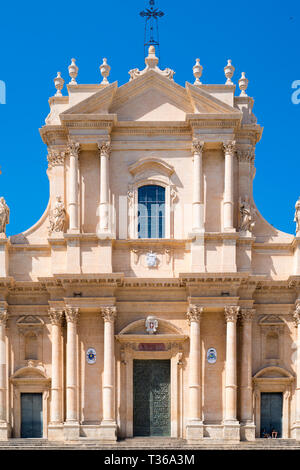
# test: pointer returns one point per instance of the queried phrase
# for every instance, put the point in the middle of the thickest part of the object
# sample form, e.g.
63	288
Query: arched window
151	211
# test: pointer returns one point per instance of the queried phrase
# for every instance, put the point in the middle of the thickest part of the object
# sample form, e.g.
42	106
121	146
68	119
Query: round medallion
211	356
91	356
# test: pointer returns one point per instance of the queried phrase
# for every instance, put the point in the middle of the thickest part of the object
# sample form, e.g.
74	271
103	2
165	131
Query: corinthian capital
3	316
197	146
231	313
296	315
247	315
72	314
229	147
55	157
105	148
56	315
74	148
194	313
109	313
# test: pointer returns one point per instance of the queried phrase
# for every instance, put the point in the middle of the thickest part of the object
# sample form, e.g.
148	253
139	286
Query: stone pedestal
56	432
71	431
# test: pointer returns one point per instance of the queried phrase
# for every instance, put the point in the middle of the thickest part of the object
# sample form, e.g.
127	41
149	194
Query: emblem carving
151	259
91	356
151	325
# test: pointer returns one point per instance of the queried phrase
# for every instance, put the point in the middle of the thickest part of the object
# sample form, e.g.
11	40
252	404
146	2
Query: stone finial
104	70
73	72
151	60
197	71
229	71
58	83
297	217
243	84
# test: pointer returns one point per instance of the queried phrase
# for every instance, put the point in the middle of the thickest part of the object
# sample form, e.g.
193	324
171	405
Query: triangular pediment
152	97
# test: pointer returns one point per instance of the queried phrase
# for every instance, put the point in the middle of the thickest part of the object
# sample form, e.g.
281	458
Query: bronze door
151	398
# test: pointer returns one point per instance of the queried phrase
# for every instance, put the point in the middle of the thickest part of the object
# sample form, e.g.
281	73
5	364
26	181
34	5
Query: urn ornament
104	69
197	70
73	72
58	83
243	84
229	71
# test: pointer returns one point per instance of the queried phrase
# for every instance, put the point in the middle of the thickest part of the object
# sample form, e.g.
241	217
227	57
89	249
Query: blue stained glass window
151	212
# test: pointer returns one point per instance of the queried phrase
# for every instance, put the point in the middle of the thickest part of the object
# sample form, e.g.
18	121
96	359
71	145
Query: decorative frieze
231	313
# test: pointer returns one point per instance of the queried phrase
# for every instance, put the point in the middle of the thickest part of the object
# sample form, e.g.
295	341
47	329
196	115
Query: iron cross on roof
151	25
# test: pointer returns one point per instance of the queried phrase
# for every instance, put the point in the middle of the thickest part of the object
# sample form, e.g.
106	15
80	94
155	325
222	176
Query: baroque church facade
151	298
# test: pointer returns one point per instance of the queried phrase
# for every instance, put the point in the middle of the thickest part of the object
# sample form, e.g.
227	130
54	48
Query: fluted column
72	317
198	197
56	316
74	148
3	387
229	150
230	418
296	427
105	149
195	425
108	392
247	316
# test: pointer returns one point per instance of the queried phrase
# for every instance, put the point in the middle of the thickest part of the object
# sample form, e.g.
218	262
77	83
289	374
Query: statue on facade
4	215
247	214
297	216
57	217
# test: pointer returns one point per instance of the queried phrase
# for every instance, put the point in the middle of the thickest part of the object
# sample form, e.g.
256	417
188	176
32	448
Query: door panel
31	415
271	413
151	398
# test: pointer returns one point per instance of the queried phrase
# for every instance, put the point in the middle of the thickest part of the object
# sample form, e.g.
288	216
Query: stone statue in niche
57	217
247	214
297	216
4	215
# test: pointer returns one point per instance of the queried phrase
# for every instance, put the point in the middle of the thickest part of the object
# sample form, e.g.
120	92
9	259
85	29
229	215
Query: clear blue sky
39	38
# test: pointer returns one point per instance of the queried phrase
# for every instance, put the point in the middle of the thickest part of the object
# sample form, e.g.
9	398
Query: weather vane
151	25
